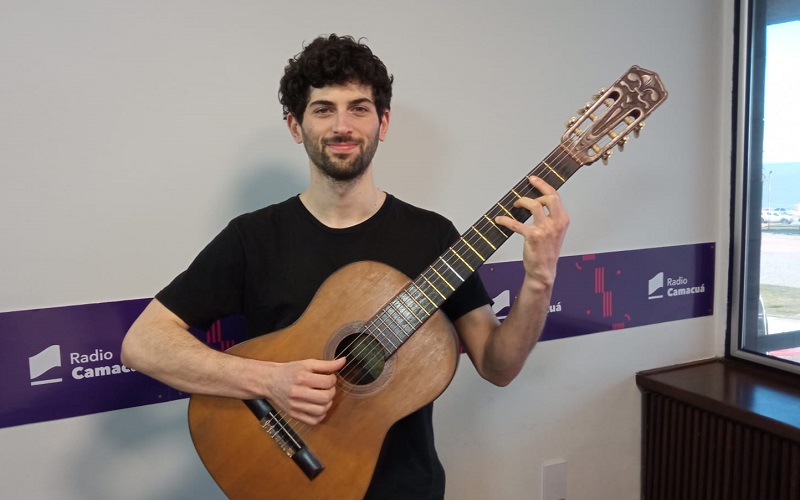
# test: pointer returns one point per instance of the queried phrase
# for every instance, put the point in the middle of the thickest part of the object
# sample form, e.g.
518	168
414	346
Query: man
268	264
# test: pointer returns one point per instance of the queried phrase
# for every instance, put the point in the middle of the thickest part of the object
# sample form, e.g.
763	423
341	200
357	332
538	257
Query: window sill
744	392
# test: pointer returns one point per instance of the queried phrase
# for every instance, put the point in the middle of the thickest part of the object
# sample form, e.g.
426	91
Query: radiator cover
706	434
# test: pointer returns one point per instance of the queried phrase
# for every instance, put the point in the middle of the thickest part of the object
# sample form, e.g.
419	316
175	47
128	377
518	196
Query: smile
342	147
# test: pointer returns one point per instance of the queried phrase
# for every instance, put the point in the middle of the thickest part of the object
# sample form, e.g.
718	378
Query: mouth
342	147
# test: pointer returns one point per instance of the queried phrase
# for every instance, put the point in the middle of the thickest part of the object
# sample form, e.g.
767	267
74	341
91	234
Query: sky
782	100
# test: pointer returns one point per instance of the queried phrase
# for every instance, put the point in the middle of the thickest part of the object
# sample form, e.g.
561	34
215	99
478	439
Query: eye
361	110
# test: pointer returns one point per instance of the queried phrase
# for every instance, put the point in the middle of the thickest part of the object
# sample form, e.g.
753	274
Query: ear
384	128
294	128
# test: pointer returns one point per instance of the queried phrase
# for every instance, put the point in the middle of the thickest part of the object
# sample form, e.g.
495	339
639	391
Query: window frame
749	70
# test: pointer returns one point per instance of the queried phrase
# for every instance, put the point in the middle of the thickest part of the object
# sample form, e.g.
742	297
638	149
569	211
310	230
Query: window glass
766	277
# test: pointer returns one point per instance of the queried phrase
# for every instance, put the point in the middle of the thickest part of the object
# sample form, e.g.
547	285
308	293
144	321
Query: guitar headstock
612	116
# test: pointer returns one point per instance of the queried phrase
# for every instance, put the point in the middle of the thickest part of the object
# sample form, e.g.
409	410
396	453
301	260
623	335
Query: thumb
331	366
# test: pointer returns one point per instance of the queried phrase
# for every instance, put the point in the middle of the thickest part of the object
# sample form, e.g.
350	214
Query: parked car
776	217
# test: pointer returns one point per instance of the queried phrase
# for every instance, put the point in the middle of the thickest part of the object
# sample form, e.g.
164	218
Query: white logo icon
44	361
655	284
501	302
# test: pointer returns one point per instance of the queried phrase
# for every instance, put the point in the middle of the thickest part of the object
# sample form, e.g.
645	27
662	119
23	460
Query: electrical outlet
554	481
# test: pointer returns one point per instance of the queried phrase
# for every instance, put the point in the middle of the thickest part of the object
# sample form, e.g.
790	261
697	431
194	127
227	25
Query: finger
535	206
320	381
541	185
327	366
549	195
311	416
312	412
307	397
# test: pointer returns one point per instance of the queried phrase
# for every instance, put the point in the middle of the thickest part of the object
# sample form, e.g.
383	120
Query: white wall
132	131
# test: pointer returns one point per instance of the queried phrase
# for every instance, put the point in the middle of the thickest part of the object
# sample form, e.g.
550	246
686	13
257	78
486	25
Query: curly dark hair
333	60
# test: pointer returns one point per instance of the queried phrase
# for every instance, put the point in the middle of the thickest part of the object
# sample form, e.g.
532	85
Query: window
765	277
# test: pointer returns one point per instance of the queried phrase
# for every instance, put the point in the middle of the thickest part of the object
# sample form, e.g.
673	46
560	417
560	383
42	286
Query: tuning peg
605	156
585	108
622	142
596	96
638	128
572	121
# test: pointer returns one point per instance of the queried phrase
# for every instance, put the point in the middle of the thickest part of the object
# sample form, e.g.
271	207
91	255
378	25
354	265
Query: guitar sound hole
365	358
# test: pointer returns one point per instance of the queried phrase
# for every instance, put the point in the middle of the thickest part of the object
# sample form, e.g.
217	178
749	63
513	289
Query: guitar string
483	225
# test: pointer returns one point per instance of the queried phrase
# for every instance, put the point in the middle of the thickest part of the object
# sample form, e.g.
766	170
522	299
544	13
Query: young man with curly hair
268	264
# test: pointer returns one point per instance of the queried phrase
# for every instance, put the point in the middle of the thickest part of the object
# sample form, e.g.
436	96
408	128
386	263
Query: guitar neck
604	124
415	303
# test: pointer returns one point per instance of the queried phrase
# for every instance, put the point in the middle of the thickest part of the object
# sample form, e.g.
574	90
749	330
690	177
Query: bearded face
340	130
341	158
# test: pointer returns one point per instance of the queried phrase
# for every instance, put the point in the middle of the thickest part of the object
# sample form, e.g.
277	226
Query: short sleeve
470	295
211	287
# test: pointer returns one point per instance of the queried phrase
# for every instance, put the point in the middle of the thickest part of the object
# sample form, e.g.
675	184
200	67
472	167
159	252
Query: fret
398	322
402	317
472	269
442	278
384	326
397	330
461	258
455	276
563	180
499	229
474	251
409	303
381	336
419	299
483	248
484	238
504	209
436	297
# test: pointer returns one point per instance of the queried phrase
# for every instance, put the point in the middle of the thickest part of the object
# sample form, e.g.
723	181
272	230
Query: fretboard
414	304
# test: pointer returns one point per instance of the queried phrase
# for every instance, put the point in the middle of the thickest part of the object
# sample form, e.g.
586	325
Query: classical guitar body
401	351
244	459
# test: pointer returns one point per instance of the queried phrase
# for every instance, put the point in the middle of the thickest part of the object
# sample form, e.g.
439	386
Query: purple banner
610	291
64	362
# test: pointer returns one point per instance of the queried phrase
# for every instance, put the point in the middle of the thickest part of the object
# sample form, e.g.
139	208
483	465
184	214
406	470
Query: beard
339	167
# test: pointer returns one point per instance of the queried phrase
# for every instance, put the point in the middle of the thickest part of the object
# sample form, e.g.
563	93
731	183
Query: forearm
159	345
508	346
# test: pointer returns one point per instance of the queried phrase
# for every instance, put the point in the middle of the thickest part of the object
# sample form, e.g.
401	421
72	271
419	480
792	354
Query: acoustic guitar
402	351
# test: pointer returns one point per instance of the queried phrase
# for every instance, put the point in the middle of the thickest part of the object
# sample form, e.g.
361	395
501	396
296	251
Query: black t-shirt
267	265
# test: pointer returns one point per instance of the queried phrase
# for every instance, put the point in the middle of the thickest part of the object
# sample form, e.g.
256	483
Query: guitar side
244	459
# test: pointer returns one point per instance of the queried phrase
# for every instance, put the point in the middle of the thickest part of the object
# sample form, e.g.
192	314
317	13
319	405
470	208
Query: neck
342	204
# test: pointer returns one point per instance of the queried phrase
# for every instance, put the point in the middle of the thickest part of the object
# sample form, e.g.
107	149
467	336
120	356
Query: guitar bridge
284	436
274	430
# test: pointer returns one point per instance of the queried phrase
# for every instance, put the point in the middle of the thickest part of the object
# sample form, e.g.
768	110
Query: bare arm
497	350
160	345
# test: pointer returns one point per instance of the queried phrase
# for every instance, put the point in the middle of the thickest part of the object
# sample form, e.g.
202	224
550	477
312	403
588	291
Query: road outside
780	258
780	265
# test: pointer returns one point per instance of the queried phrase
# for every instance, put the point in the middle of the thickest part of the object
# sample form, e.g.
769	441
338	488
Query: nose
342	123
